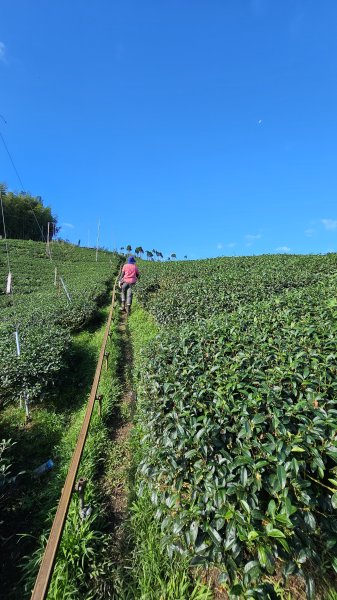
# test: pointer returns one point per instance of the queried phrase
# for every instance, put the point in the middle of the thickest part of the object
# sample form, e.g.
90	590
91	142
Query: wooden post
48	235
99	398
28	415
99	224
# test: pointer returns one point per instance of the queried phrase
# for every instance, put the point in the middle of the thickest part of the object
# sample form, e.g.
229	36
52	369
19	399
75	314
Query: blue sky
198	127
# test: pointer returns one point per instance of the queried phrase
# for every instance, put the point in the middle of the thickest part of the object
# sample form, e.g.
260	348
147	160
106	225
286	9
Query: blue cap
131	260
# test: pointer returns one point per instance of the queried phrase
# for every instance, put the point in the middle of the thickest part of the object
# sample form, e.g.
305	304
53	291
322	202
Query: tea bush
179	292
41	312
241	418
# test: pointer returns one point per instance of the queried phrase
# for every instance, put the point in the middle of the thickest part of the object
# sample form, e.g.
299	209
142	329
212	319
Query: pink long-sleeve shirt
130	273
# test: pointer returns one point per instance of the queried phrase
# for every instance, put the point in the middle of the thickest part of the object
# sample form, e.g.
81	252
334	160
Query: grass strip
149	573
78	561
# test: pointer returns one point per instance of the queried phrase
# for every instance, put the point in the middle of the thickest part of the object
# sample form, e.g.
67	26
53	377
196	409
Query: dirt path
116	480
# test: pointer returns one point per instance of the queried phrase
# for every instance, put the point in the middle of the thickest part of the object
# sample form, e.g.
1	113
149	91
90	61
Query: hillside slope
42	313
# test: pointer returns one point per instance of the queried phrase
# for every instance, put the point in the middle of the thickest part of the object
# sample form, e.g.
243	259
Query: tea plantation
41	312
238	397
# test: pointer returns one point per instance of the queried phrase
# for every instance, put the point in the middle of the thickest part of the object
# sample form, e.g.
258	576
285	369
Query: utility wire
8	261
23	189
18	176
31	210
6	243
10	158
38	224
5	233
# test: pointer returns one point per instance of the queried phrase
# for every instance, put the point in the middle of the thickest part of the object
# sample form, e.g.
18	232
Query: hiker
127	280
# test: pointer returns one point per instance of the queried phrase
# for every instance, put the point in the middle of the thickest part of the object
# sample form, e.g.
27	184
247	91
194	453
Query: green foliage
5	465
188	291
83	554
144	569
239	415
42	313
29	502
26	218
143	330
153	574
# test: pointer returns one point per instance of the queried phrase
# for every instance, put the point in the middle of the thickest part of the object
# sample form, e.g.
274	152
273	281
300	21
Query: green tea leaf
281	475
275	533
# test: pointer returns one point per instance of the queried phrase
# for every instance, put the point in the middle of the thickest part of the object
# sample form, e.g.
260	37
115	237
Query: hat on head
131	260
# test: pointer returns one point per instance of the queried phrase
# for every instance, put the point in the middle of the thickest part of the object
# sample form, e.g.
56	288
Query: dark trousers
127	293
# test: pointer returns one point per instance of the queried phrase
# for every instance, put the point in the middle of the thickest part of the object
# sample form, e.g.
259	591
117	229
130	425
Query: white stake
55	279
65	289
17	343
9	283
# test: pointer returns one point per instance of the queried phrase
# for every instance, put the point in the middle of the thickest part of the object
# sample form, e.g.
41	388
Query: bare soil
115	481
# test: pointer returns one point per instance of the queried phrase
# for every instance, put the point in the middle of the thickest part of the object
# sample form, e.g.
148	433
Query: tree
173	255
26	218
149	254
128	248
139	250
185	256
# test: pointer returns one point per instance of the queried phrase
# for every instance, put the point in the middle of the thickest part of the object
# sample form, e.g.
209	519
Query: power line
9	280
39	226
10	276
18	175
5	233
31	210
12	161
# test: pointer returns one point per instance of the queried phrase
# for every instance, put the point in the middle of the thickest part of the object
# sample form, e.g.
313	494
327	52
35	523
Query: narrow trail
116	480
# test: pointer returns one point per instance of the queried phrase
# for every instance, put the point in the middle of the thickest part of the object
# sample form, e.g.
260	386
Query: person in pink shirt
129	276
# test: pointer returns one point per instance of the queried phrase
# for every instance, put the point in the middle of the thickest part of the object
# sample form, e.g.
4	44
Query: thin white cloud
252	238
68	225
2	52
329	224
231	245
309	232
219	246
282	249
